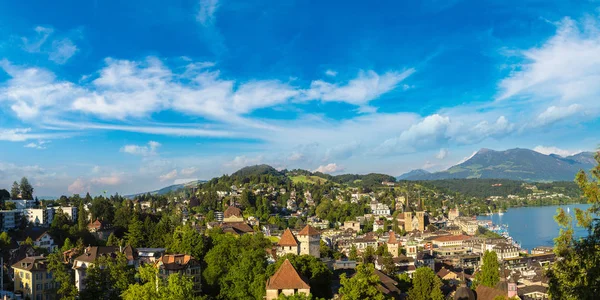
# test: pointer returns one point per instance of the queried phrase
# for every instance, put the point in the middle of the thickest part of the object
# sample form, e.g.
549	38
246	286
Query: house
533	292
354	225
387	285
182	264
40	237
449	240
378	224
89	256
503	288
10	219
149	255
286	281
288	244
505	251
380	209
233	215
32	278
100	229
237	228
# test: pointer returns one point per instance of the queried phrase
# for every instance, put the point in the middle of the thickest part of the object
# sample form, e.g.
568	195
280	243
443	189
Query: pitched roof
308	230
176	261
392	239
232	211
287	239
237	228
91	253
285	278
387	285
487	293
32	264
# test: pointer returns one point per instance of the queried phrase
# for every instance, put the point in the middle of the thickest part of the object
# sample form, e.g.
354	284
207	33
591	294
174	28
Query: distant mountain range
515	164
170	188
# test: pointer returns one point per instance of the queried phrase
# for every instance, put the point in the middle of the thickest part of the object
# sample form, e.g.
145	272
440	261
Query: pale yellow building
33	279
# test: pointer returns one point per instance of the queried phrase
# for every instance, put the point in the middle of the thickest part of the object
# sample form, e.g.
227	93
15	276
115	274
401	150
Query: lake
534	226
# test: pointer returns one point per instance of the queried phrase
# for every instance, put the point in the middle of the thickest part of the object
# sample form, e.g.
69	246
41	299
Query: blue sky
130	97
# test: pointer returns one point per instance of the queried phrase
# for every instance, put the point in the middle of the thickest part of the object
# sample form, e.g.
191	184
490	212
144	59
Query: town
260	233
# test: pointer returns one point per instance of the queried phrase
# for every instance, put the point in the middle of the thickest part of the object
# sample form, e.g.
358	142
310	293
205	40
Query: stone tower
421	217
310	241
393	245
408	216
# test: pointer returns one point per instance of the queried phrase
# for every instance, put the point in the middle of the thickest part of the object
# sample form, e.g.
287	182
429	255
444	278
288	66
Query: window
46	286
38	287
26	275
48	275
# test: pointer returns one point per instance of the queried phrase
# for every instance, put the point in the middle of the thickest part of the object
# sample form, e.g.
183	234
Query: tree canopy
363	285
425	285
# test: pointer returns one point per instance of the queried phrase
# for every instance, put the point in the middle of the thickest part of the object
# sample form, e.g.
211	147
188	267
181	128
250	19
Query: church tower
393	245
310	241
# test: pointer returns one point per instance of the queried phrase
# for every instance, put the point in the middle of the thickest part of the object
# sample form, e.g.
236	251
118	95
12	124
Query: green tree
28	241
404	282
135	233
187	240
15	191
5	240
82	217
489	275
108	278
577	274
150	287
26	189
113	240
63	276
363	285
368	255
425	285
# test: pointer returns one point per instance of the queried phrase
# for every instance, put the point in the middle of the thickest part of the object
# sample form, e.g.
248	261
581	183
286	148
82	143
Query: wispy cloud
60	50
168	176
145	150
38	145
555	150
206	13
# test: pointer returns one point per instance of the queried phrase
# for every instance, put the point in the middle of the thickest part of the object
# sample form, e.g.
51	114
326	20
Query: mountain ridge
516	164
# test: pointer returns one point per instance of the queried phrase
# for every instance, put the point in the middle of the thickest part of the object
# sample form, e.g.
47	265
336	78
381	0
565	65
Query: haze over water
534	226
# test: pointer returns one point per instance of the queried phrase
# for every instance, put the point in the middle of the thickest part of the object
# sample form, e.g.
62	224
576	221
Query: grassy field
308	179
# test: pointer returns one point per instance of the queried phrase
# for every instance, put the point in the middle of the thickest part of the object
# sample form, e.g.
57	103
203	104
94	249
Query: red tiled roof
175	261
287	239
308	230
392	239
487	293
285	278
232	211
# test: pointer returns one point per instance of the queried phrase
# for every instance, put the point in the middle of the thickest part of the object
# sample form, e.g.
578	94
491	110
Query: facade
89	256
310	239
354	225
33	279
233	215
413	221
182	264
380	209
40	237
467	225
378	224
39	216
10	219
286	281
505	251
70	211
453	214
449	240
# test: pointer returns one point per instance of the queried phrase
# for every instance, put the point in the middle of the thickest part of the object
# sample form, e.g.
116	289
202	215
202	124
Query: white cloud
329	168
206	14
38	145
79	186
555	150
359	91
168	176
564	69
149	149
331	73
188	171
62	51
442	154
243	161
34	45
107	180
296	156
554	114
184	180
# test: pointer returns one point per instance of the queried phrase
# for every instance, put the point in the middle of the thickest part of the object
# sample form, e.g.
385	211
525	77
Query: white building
22	203
505	250
39	216
70	211
380	209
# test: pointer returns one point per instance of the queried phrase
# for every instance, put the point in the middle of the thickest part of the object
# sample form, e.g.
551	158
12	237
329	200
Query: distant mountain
516	164
413	173
171	188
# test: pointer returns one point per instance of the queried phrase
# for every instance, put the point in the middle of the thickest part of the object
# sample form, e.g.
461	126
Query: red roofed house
180	263
310	241
232	215
286	281
288	244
